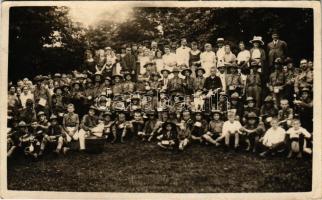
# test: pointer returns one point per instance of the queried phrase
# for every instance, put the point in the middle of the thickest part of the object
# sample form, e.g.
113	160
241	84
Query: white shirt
23	98
143	60
243	56
296	133
220	55
182	54
169	59
230	128
159	64
272	136
256	54
208	58
222	77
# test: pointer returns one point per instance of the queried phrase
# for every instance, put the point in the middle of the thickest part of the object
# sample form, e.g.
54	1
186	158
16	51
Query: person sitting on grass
169	136
28	139
297	139
200	128
108	123
253	130
70	125
214	128
285	114
120	127
53	135
273	139
137	123
185	127
149	126
230	129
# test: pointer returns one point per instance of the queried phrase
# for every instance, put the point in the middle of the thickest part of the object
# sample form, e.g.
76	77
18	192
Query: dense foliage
32	27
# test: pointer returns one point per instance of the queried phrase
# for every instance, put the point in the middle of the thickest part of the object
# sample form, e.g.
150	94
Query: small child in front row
253	130
70	124
53	135
169	136
297	139
231	128
214	128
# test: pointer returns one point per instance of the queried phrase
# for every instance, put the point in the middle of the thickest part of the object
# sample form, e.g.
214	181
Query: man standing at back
129	62
182	53
276	49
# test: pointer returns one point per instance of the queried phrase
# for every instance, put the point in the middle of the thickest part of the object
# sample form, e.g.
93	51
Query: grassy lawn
143	167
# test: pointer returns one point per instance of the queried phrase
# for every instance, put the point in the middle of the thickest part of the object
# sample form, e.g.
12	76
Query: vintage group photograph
144	99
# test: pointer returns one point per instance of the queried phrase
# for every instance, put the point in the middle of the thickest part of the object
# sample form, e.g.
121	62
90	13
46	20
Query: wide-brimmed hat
22	124
255	64
40	113
173	125
257	39
213	111
184	71
56	88
97	75
250	99
148	63
52	117
269	99
165	69
107	113
117	75
200	69
57	75
288	60
235	95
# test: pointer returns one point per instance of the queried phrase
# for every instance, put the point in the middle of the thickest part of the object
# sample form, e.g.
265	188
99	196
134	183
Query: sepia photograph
125	97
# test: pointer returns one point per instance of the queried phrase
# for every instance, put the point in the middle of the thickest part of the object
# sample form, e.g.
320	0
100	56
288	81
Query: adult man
176	83
276	48
213	81
220	51
182	53
304	78
129	62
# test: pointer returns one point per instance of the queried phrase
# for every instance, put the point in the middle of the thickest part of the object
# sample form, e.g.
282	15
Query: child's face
296	124
70	109
216	116
121	117
187	73
137	116
91	112
107	118
199	73
221	70
168	127
186	116
284	104
208	48
198	117
251	104
155	78
42	118
165	74
231	117
128	77
117	79
251	121
54	122
274	124
34	125
166	50
234	101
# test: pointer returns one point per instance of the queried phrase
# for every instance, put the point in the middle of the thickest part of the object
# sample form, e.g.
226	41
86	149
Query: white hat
257	39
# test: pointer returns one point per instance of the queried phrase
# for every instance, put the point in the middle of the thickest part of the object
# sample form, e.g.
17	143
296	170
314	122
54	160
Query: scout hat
165	69
76	82
22	124
255	64
40	113
216	111
269	99
257	39
57	75
248	99
107	113
186	69
200	69
148	63
235	95
97	77
56	88
52	117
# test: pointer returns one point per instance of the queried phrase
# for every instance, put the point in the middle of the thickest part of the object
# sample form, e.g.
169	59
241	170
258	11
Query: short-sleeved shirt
71	120
296	133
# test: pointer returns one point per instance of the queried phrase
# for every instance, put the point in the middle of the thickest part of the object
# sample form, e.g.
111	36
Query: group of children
185	98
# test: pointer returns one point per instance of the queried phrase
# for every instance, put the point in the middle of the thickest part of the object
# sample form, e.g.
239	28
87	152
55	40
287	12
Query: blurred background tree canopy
47	40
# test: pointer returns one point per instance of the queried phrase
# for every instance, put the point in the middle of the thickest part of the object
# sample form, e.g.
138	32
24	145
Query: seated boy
200	129
169	136
214	128
252	129
285	114
53	135
70	124
120	127
185	127
274	139
230	129
297	139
